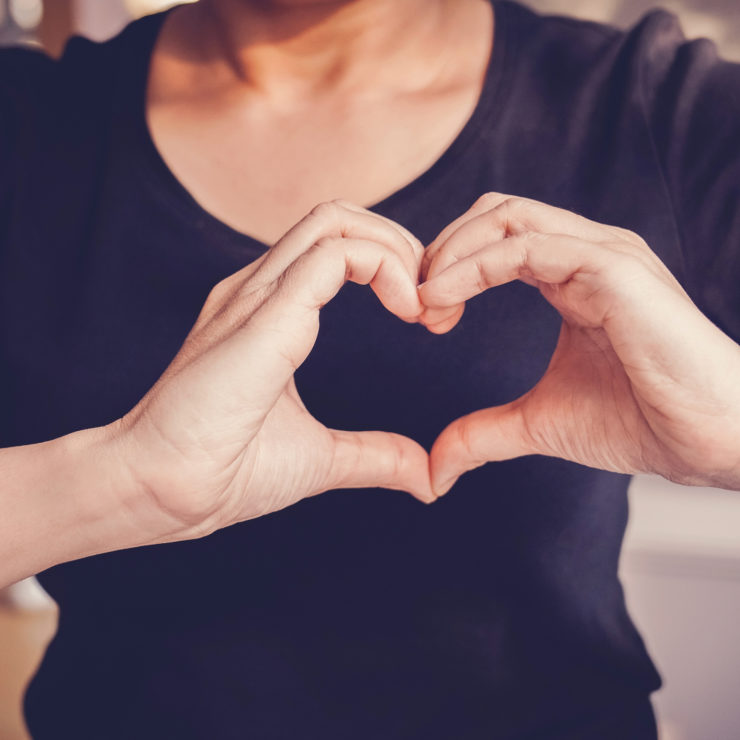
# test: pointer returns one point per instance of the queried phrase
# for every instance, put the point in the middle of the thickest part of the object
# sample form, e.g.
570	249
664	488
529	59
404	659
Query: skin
310	95
265	451
640	380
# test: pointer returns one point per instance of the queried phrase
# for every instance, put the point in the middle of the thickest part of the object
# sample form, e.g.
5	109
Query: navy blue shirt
495	613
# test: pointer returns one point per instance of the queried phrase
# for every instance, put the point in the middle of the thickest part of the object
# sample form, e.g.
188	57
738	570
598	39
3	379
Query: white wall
100	20
681	573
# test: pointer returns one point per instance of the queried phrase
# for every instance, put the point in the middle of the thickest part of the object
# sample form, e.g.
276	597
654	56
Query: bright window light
26	13
143	7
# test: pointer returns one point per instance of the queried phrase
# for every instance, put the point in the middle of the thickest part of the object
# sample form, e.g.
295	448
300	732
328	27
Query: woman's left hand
640	380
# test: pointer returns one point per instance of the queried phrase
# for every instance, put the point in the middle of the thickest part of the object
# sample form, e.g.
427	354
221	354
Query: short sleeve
691	97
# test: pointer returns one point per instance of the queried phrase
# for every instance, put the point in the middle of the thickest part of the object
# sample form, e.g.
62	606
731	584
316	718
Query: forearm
68	498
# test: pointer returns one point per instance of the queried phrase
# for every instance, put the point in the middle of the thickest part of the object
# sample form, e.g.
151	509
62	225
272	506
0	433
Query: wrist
69	498
720	468
98	504
127	513
712	459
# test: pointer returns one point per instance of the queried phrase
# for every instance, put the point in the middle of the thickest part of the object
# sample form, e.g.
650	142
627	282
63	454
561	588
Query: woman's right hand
223	435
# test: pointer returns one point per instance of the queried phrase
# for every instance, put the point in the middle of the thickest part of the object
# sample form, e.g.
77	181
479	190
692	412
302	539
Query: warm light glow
26	13
143	7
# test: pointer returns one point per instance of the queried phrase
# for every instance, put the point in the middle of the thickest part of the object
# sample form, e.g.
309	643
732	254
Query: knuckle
464	440
326	211
217	298
632	236
516	202
530	235
412	242
622	239
490	200
523	246
625	267
324	252
511	215
395	463
324	244
516	206
481	273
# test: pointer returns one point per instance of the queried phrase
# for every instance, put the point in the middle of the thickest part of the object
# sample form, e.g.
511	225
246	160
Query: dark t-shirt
495	613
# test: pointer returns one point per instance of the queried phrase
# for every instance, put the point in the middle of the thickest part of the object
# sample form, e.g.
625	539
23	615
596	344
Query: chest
261	171
88	329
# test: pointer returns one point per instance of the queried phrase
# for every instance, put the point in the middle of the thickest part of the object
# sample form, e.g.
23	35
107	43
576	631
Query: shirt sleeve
691	98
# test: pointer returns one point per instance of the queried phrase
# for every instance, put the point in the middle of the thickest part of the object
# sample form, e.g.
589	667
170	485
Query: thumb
496	433
380	459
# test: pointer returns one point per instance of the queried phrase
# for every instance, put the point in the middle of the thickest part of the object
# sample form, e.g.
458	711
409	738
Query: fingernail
442	490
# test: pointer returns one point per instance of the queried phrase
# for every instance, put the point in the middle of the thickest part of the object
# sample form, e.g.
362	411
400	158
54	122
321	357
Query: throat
260	168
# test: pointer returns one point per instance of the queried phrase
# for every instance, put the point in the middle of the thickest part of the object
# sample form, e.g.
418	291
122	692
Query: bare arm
221	436
68	498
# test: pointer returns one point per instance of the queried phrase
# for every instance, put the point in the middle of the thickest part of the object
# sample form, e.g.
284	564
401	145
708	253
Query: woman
153	338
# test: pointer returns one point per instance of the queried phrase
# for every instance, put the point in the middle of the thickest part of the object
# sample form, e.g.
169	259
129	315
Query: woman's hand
223	435
640	380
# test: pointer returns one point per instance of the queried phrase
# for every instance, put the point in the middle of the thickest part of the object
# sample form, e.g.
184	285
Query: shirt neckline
143	37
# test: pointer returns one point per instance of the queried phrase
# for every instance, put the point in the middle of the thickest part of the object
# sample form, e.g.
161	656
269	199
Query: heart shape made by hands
624	390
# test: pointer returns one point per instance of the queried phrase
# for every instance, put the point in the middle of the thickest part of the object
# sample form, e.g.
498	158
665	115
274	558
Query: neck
299	50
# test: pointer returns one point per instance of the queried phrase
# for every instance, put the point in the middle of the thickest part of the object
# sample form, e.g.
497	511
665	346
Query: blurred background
681	562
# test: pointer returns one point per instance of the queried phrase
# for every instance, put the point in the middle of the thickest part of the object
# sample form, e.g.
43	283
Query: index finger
495	216
277	336
338	219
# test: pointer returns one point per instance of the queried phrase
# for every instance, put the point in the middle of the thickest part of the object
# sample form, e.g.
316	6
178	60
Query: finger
247	271
510	216
380	459
319	273
553	259
497	216
481	205
337	219
223	292
493	434
395	288
278	336
442	320
416	245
